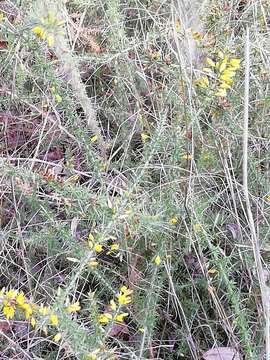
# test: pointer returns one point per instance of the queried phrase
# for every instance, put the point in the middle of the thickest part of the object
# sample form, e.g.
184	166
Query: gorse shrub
124	231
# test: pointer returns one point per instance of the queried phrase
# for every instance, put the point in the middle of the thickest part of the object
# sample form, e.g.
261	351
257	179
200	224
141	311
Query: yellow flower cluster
57	97
48	27
223	70
115	314
14	302
98	248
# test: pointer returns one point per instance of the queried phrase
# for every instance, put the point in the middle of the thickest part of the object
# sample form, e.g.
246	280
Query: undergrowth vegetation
124	226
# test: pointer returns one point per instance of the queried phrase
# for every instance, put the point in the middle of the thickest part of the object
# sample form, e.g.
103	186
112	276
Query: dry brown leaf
221	353
5	326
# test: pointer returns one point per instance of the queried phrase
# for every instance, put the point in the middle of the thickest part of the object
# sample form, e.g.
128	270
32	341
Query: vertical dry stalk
188	12
265	291
69	64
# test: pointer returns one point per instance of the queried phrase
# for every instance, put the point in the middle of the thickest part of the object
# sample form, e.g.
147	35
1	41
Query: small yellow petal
198	227
38	30
186	157
9	312
222	67
105	318
20	299
90	237
11	294
173	221
210	62
73	308
202	82
157	260
98	248
58	98
115	247
94	138
121	317
212	271
33	322
221	93
224	85
50	40
235	63
93	264
57	337
207	70
44	310
113	305
54	320
144	137
220	54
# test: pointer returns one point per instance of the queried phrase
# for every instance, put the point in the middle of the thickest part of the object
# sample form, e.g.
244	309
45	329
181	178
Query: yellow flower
196	36
220	54
113	305
58	98
221	93
267	197
104	318
125	290
227	75
91	237
197	227
206	69
187	157
235	63
173	221
210	62
226	79
28	311
98	248
202	82
157	260
123	299
94	138
44	310
93	355
33	322
38	31
223	66
73	308
144	137
57	337
212	271
114	247
9	311
224	85
50	40
11	294
20	299
121	317
54	320
93	263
